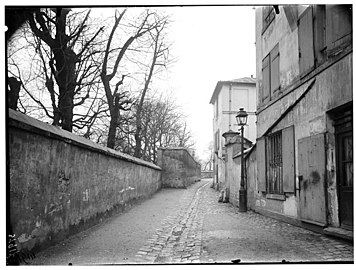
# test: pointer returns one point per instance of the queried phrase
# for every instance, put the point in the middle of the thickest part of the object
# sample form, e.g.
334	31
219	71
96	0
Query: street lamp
241	119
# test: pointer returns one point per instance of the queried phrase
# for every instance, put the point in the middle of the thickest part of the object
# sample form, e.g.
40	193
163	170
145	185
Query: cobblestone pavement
205	231
179	238
251	237
192	227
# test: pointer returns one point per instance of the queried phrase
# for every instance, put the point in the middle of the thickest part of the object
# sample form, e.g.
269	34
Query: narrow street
190	226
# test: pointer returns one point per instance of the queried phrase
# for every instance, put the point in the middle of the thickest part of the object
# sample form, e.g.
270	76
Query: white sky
212	44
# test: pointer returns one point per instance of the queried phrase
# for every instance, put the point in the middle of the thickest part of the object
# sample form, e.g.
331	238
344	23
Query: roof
246	151
244	80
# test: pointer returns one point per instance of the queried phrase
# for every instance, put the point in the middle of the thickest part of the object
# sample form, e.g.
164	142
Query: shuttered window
288	157
276	162
268	16
338	25
266	85
270	74
274	55
323	30
306	44
261	164
217	143
319	34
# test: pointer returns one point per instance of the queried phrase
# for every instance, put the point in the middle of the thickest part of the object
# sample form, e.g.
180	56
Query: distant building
227	99
304	147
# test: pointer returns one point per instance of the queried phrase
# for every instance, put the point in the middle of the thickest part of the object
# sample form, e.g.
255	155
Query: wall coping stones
22	121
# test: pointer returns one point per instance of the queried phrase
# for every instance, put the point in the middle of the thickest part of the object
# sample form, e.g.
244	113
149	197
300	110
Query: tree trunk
65	63
65	59
112	133
14	92
114	122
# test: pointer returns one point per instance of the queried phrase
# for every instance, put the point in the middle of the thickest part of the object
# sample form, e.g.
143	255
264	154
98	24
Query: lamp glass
241	117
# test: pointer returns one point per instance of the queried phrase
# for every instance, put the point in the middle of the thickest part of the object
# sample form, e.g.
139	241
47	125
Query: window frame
267	63
274	163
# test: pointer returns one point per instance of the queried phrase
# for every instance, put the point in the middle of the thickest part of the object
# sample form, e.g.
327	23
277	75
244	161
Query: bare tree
69	49
163	125
14	92
160	58
120	100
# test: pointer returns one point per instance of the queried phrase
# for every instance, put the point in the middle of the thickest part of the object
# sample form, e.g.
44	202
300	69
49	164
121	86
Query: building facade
228	97
304	146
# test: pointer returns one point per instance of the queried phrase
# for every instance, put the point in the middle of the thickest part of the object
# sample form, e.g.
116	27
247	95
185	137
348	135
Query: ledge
339	232
24	122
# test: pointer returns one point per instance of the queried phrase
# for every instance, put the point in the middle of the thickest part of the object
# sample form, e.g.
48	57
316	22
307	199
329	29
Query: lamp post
241	119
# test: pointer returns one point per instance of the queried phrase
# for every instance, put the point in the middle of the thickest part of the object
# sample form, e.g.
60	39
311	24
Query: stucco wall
179	169
332	88
61	183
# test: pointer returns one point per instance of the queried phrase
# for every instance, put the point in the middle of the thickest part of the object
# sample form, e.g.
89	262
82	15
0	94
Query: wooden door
311	163
345	177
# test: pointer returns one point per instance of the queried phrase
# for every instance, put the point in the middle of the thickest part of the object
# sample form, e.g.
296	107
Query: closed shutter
275	69
266	78
288	159
305	38
338	25
261	164
319	34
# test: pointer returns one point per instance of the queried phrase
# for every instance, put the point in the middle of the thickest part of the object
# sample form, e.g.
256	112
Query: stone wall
179	169
61	183
207	174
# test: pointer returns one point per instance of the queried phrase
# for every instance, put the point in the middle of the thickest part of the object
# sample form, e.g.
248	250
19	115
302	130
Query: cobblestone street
190	226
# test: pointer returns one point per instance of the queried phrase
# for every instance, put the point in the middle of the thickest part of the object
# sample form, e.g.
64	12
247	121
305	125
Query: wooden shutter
266	90
305	38
288	159
274	54
319	34
261	164
338	25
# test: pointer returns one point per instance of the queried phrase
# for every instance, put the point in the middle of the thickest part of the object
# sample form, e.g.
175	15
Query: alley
190	226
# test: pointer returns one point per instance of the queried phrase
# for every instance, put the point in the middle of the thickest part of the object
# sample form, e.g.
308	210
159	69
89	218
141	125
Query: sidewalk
190	226
251	237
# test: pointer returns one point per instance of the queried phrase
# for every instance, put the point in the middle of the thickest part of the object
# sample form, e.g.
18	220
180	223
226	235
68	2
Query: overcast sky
211	44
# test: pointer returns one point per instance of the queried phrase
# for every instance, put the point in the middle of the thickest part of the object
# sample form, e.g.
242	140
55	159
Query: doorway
344	162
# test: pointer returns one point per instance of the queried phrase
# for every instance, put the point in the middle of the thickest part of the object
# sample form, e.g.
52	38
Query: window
270	74
217	143
268	16
274	163
323	30
306	47
338	26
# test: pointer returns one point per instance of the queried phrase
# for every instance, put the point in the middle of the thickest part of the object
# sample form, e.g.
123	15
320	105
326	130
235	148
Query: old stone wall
179	169
207	174
61	183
